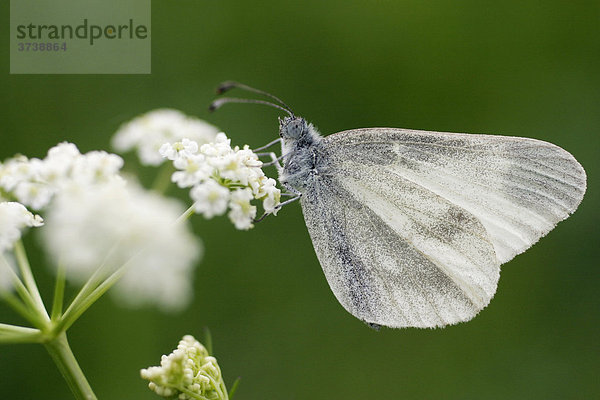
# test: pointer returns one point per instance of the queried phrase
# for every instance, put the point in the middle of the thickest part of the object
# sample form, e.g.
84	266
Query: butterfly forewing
518	188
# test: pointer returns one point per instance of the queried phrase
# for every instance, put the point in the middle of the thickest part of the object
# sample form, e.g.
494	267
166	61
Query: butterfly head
293	128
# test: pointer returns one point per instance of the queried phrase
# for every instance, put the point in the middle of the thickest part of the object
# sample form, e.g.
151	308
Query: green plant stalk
163	179
22	309
90	285
59	294
19	334
28	308
234	387
89	295
219	386
186	214
190	393
63	357
7	338
73	313
28	278
33	309
17	329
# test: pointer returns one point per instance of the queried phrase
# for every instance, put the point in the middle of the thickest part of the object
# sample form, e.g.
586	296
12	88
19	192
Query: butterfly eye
294	129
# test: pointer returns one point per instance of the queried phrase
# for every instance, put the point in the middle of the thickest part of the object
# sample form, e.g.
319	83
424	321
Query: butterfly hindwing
399	258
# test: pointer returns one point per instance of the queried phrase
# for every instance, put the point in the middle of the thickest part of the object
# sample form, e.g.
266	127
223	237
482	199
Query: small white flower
33	194
188	367
230	168
222	139
16	170
58	163
242	212
248	158
221	146
14	217
240	166
178	150
193	170
63	151
96	167
210	198
271	196
148	132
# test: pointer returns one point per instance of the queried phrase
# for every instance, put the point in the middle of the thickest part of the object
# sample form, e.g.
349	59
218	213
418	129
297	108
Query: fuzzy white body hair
302	158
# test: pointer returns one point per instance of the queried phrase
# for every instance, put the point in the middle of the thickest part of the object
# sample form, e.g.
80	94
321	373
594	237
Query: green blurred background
522	68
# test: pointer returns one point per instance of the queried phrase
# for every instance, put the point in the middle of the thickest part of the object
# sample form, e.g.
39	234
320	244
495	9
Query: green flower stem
163	179
59	293
63	357
22	309
27	308
29	280
19	334
88	288
188	213
72	314
234	387
193	395
31	307
17	329
219	386
208	345
16	338
72	309
89	295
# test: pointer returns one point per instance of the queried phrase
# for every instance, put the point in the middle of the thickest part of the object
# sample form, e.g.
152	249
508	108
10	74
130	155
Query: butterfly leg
266	146
275	161
288	201
278	207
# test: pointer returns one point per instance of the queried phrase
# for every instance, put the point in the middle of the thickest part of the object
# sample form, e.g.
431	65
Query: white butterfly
411	227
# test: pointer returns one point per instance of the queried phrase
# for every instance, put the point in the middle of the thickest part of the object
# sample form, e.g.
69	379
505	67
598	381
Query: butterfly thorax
303	153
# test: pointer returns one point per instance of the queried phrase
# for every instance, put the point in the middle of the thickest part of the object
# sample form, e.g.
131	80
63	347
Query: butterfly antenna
228	85
219	102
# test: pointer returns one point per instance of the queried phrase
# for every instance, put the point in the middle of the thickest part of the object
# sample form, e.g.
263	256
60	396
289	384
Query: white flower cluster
149	131
34	182
187	373
14	217
221	178
94	217
120	222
